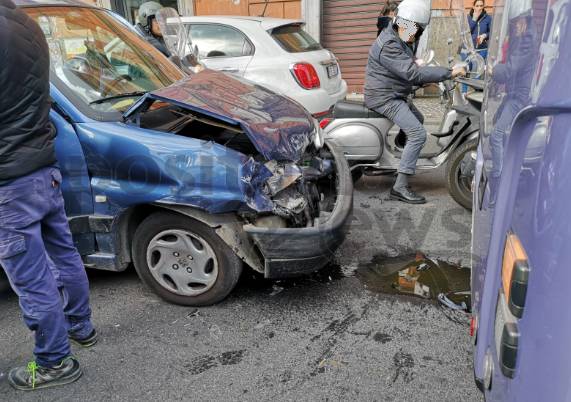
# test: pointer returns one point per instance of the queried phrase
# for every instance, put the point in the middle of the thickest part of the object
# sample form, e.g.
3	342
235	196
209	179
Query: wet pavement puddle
418	276
413	275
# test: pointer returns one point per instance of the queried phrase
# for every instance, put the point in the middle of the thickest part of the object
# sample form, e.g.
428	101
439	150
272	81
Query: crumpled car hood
280	128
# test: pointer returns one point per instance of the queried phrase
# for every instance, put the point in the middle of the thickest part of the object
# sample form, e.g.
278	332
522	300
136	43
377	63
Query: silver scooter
373	145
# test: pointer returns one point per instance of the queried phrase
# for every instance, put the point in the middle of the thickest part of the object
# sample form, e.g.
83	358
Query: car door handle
229	69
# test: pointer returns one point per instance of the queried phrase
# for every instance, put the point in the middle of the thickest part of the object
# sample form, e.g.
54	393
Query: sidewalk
431	108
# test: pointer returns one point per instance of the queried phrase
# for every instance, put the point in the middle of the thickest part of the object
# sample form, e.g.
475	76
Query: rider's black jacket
392	72
157	42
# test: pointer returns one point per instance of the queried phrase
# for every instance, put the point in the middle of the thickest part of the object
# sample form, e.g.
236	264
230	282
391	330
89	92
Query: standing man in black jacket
36	247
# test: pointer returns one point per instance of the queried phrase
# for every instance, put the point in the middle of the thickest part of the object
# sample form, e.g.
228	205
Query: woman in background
480	23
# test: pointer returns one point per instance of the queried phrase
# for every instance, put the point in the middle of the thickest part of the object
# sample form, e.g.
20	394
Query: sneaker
86	342
35	377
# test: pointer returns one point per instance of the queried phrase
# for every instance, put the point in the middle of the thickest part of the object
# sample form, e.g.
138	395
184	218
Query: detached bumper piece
291	252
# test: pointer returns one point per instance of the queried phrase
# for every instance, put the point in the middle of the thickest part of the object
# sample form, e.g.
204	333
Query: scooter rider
391	73
149	27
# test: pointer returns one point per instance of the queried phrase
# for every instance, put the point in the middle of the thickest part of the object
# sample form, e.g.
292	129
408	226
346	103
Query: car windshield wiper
120	96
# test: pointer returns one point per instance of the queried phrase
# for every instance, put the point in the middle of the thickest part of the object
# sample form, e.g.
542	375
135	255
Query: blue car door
76	185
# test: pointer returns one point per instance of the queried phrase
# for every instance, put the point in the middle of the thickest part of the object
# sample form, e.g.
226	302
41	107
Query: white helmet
146	10
415	11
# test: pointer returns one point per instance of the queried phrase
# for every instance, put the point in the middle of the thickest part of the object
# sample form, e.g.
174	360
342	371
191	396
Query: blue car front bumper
291	252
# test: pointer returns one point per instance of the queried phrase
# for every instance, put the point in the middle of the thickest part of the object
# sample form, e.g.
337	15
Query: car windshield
294	39
97	61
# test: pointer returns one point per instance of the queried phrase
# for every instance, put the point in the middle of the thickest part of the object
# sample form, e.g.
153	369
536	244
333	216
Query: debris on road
262	324
276	289
414	274
456	300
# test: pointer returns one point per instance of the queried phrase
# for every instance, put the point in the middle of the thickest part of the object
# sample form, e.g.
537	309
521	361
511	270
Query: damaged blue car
189	178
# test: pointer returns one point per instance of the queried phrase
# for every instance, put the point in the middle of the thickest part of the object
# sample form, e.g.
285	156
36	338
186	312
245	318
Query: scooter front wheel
460	172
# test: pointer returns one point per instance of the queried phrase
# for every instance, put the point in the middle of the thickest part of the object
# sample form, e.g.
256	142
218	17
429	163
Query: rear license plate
332	70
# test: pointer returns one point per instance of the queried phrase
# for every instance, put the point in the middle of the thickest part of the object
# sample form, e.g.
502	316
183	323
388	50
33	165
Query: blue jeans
409	119
42	264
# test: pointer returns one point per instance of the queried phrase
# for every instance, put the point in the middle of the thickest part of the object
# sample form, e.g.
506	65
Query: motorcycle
374	146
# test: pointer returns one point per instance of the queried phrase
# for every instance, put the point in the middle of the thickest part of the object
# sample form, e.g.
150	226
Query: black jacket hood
382	23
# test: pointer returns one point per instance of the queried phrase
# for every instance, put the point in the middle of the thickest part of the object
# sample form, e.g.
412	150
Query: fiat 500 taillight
306	76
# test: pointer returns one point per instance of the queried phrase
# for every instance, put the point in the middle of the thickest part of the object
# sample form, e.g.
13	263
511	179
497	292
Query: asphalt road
333	336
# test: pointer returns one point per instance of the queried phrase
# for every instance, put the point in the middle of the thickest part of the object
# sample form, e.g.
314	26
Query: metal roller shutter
349	29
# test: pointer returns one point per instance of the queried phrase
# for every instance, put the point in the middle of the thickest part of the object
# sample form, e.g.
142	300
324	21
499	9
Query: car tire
459	189
183	260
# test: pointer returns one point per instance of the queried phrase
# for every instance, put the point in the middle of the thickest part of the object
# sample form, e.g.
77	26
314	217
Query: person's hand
458	72
481	39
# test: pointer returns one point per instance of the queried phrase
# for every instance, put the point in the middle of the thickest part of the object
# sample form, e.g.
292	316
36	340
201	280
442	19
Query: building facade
346	27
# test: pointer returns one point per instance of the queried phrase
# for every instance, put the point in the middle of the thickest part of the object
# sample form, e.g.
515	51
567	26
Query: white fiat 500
276	53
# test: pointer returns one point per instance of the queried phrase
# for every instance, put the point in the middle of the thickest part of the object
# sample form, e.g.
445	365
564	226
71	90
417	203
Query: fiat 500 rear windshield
293	39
